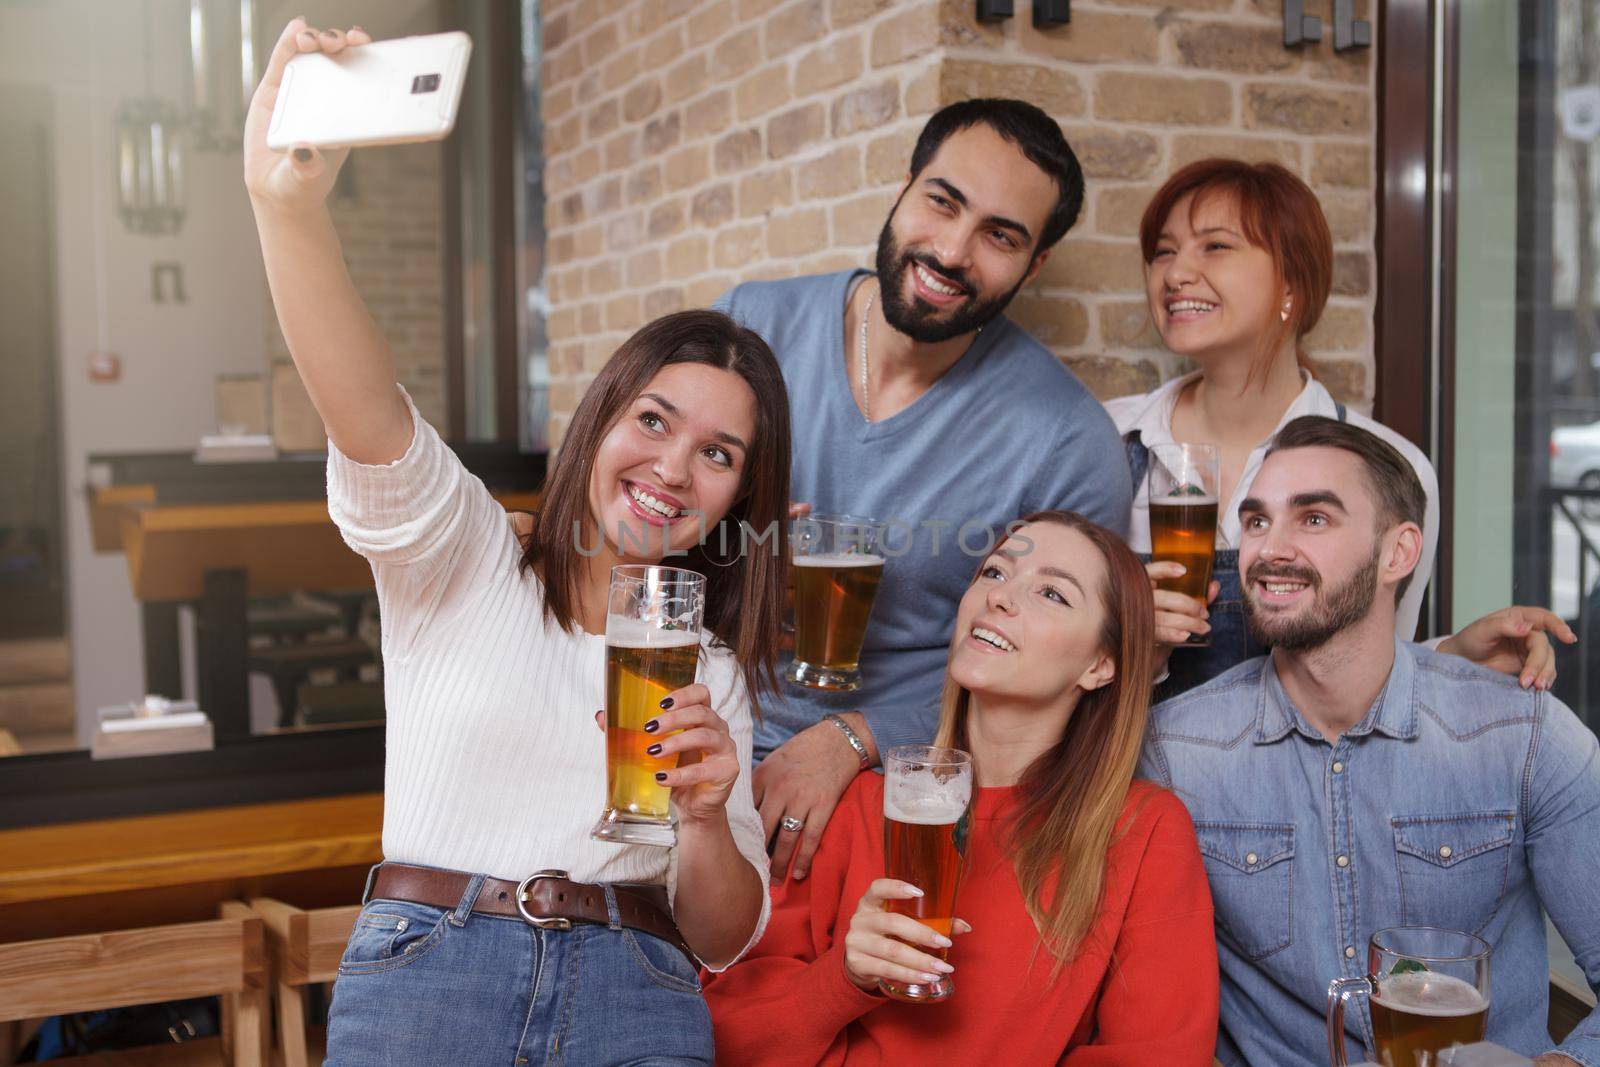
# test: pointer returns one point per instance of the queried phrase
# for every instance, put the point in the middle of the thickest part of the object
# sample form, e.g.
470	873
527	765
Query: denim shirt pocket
389	934
1453	868
1251	869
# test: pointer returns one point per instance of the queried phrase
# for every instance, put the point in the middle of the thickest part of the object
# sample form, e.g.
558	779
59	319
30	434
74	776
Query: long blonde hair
1072	796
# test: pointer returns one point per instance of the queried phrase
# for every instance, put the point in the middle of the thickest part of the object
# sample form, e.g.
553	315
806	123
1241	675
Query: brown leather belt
546	899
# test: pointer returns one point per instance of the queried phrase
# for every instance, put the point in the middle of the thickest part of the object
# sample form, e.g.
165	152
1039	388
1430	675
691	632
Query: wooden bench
303	948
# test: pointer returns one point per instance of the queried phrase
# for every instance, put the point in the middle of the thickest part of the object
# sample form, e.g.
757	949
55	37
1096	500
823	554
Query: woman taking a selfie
494	663
1085	925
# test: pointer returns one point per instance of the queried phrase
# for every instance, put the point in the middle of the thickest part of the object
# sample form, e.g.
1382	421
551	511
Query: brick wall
692	144
388	210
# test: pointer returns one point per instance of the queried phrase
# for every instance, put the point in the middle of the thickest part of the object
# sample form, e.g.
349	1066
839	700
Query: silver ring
792	824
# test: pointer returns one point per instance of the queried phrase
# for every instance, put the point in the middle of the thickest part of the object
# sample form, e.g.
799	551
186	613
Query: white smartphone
389	92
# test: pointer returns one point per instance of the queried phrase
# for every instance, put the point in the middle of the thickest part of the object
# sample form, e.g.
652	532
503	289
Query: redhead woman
1238	269
493	652
1085	927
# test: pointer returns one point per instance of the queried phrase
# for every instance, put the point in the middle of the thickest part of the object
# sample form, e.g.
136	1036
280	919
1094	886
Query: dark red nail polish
653	750
666	703
303	154
661	776
652	726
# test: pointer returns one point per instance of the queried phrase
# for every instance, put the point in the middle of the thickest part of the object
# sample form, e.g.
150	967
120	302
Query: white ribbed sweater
494	764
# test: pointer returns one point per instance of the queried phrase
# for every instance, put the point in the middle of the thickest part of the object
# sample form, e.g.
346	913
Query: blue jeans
1231	642
432	986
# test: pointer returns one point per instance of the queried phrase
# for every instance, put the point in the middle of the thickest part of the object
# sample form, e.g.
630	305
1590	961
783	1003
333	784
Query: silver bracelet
852	737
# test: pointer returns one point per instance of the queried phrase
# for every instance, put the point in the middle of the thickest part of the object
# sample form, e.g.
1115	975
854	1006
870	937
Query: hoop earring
722	536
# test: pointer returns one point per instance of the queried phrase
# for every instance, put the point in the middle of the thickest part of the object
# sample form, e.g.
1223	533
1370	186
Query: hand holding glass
1182	492
838	563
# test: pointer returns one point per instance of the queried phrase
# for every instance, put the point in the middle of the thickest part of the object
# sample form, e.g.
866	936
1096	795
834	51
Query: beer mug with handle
927	798
1183	516
653	621
1428	990
838	562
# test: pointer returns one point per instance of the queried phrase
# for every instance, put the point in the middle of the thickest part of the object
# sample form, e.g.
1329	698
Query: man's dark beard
1342	607
916	319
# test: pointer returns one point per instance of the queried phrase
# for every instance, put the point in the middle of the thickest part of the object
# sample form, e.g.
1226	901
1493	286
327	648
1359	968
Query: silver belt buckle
540	921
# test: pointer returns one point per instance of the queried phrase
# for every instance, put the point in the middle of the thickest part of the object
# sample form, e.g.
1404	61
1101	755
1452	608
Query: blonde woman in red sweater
1085	935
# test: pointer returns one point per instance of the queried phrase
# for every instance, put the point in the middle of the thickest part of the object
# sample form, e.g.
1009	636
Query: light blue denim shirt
1460	801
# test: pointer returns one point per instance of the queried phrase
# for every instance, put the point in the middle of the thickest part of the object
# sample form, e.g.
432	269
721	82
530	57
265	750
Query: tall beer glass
927	794
838	562
1428	989
653	621
1183	516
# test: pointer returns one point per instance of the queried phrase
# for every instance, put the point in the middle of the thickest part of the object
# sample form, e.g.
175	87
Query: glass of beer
653	621
1428	989
927	796
1183	517
838	562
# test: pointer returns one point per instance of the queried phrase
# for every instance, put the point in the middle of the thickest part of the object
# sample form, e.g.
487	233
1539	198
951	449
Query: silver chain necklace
861	346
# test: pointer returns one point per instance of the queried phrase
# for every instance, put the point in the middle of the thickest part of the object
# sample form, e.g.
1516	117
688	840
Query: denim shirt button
1444	852
1343	861
1251	859
1349	952
1338	768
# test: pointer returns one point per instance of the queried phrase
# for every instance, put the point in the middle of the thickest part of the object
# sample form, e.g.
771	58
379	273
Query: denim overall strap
1138	457
1340	408
1231	641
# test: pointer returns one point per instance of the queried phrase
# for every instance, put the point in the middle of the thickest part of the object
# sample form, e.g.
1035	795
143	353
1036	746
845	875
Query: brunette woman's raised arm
347	366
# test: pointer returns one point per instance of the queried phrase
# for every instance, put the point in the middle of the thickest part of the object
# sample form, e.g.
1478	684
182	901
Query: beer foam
1431	994
633	633
840	559
1184	499
924	800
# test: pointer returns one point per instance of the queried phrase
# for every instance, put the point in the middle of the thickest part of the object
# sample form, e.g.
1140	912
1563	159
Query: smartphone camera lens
425	83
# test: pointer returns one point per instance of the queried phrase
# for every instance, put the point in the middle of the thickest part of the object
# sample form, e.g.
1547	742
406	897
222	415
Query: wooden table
89	877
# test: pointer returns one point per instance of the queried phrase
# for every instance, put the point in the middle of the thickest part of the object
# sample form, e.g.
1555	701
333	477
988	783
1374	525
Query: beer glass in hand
838	562
927	794
1183	517
1428	989
653	620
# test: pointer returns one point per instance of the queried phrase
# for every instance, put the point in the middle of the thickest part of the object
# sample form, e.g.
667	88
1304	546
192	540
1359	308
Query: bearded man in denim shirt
1349	782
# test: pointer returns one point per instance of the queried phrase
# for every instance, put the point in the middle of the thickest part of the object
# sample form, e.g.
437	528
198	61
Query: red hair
1281	215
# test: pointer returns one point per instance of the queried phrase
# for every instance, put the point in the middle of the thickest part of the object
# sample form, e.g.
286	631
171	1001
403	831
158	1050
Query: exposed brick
688	255
1349	215
623	313
599	44
866	108
687	166
1094	37
1233	47
1126	324
713	206
708	22
664	301
1109	376
666	219
1053	322
1118	208
708	115
588	241
1106	152
622	150
1341	329
923	93
1352	274
751	9
738	245
661	133
644	268
602	118
736	54
794	25
843	13
603	277
1054	90
762	91
641	100
1344	378
1162	98
859	221
904	36
831	63
687	78
797	233
602	198
557	102
760	193
555	32
1342	164
623	69
889	157
1186	148
792	130
737	151
703	292
1301	109
832	175
624	231
1093	266
663	49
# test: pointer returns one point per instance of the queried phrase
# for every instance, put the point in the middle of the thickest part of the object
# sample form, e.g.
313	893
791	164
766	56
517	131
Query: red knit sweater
1142	990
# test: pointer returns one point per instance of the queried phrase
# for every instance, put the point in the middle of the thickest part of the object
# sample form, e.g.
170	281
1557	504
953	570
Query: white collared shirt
1151	415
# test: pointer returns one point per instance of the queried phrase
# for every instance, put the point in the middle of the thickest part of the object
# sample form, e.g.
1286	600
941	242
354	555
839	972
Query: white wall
88	54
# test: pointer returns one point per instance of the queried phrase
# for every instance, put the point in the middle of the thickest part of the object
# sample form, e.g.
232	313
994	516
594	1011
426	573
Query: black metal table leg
222	645
162	673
